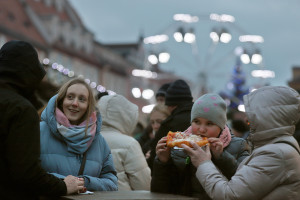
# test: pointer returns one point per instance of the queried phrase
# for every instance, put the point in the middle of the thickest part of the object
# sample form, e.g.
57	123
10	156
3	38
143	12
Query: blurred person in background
142	134
179	101
23	176
158	114
71	143
120	117
239	126
238	123
99	95
160	95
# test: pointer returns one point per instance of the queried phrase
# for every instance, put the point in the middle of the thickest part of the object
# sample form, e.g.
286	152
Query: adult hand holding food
197	154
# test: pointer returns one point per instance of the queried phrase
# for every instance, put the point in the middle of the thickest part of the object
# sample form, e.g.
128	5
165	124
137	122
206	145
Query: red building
68	49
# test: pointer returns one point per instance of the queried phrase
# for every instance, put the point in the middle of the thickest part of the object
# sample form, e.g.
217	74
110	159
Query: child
273	169
173	173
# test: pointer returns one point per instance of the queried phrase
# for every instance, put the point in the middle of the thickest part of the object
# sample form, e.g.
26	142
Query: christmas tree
236	88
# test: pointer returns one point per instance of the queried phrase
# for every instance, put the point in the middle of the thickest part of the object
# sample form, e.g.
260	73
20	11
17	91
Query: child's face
205	128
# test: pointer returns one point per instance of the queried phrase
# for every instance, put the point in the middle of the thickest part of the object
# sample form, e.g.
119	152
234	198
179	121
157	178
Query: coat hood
119	113
272	112
20	67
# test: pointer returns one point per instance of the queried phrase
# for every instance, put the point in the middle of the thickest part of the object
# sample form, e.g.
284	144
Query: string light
67	72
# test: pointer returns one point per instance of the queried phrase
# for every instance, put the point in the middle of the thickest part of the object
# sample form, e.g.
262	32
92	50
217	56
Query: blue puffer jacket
99	172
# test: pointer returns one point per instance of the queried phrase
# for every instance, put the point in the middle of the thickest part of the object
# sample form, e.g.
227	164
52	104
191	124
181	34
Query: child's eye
196	122
210	123
70	97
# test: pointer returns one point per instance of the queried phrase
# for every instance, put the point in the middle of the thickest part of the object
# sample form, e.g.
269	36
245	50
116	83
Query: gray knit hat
211	107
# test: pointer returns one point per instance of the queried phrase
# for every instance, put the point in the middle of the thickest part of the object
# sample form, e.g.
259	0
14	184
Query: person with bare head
24	178
71	143
158	114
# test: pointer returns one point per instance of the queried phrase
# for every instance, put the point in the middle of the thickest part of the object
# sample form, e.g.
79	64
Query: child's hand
197	154
216	147
162	151
188	131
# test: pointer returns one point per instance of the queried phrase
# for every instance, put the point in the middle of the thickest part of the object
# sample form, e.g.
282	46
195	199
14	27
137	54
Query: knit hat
178	93
162	90
211	107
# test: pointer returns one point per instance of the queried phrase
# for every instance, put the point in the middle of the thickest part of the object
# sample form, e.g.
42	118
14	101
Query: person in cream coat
119	118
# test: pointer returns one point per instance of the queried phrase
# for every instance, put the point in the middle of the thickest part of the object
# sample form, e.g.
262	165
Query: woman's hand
197	154
83	190
216	147
162	151
74	184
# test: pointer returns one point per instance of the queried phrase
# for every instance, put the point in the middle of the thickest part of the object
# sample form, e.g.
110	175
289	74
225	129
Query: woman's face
155	119
205	128
75	103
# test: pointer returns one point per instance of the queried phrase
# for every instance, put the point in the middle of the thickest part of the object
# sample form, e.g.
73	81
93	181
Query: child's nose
202	129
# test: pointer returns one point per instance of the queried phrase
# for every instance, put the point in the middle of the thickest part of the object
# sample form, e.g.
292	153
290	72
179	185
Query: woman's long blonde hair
91	99
160	108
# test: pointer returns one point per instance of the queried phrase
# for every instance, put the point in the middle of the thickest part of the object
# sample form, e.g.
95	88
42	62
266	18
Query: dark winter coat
179	120
22	175
178	175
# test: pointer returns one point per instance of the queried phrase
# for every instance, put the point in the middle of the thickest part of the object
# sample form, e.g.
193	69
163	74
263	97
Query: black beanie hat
178	92
162	90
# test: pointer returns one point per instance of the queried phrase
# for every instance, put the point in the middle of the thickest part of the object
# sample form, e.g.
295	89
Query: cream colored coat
119	118
272	171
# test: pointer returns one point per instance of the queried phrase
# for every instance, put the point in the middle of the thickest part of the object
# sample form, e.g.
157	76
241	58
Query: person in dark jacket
179	101
173	171
160	95
22	174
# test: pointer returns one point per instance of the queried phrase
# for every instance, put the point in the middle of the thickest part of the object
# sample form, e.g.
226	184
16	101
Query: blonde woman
158	114
70	140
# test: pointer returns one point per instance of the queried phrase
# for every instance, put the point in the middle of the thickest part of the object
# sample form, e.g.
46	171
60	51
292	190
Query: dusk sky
277	21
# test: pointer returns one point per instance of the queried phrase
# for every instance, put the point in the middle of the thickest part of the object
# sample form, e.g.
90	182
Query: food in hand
179	138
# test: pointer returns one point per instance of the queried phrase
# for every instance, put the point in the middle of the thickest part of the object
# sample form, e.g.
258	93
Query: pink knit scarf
77	140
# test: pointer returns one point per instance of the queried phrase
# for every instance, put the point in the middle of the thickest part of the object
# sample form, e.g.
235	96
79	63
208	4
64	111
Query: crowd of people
79	142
